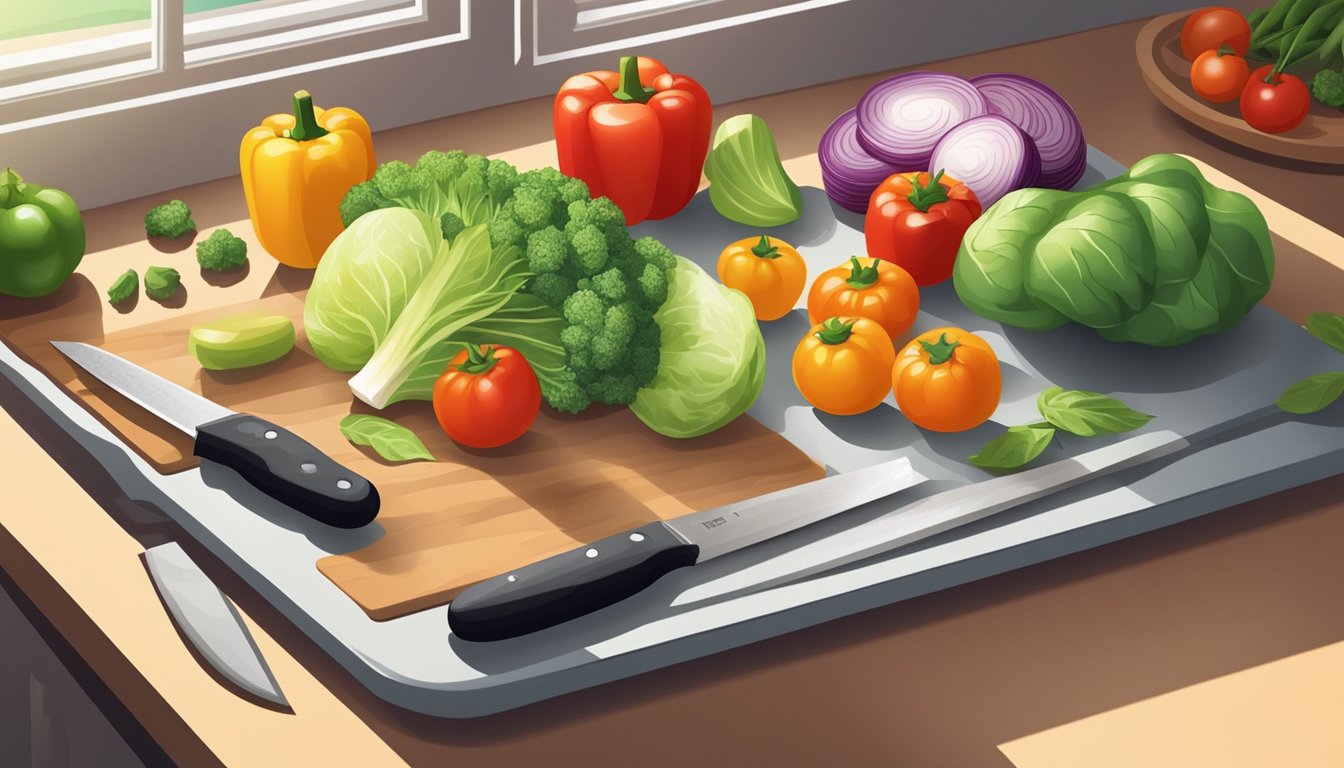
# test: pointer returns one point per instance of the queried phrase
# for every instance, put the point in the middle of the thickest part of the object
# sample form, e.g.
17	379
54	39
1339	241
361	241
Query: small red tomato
487	397
1274	103
1219	77
916	221
1209	29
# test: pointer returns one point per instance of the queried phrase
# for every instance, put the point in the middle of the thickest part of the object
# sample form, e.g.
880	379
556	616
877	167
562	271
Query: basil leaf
388	438
1327	326
1013	448
1088	414
1313	393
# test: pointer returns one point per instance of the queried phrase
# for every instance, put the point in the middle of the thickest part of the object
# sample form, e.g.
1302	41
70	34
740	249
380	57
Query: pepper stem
835	331
861	277
925	196
764	250
478	361
305	122
631	89
941	351
9	185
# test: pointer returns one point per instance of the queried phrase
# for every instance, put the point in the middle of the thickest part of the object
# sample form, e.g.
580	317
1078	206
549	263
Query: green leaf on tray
1328	327
1088	414
388	438
1313	393
1269	23
1014	448
1313	32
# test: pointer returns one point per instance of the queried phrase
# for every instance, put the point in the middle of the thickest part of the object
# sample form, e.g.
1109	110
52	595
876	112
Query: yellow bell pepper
296	168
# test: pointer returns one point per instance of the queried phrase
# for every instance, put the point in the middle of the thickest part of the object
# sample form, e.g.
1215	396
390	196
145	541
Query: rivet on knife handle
568	585
289	469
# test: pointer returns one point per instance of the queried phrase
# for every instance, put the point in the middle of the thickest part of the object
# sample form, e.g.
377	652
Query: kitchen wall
141	143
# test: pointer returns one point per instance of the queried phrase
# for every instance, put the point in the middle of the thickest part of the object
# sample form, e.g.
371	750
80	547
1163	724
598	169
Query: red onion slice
848	173
1046	117
903	117
989	154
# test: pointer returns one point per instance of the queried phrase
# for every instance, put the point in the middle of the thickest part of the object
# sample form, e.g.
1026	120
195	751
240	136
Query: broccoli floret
451	225
124	287
546	251
1328	87
610	285
361	199
221	250
169	220
161	282
395	179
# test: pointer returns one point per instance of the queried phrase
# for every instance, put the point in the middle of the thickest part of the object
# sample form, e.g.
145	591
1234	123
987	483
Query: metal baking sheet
415	662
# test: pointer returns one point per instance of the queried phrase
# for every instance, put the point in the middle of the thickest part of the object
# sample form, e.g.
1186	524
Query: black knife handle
568	585
288	469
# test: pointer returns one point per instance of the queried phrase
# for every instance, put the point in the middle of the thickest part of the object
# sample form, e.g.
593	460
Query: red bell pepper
917	223
638	136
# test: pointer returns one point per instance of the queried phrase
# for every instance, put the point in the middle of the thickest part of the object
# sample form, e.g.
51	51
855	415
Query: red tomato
1219	77
916	221
489	396
1208	29
1274	103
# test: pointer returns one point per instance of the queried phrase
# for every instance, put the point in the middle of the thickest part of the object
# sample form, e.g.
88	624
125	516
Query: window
89	51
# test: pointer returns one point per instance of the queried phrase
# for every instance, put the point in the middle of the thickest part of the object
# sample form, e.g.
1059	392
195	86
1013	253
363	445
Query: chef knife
938	513
210	622
279	463
583	580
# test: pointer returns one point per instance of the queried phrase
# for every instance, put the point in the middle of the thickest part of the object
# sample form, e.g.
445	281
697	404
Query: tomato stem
925	196
764	250
631	88
478	361
861	277
940	351
835	331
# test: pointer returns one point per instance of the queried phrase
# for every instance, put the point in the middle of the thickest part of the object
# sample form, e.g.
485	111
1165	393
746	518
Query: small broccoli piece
546	251
505	229
221	250
1328	87
450	224
169	220
610	285
395	179
161	282
590	249
124	287
361	199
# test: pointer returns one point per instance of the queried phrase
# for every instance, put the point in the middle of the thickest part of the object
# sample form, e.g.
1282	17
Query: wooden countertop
938	680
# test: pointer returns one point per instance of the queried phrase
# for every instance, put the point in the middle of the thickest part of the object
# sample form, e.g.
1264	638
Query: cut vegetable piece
1046	117
990	155
241	341
902	118
747	182
848	172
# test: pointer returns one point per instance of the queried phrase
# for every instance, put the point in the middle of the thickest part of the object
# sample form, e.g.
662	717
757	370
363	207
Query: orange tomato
947	380
882	292
843	366
1219	77
768	270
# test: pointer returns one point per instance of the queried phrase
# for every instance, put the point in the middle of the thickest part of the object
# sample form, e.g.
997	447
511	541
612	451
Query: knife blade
583	580
938	513
279	463
210	622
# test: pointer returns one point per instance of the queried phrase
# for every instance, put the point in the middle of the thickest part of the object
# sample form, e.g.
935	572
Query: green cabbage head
711	363
363	282
1157	256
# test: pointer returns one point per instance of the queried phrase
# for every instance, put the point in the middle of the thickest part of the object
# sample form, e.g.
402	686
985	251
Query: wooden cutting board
446	524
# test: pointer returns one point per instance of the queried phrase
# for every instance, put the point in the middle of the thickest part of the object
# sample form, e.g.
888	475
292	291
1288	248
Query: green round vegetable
712	361
241	341
41	237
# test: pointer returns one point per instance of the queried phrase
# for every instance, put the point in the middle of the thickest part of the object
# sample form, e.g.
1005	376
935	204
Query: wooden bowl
1319	139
